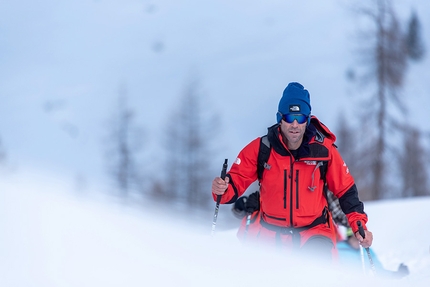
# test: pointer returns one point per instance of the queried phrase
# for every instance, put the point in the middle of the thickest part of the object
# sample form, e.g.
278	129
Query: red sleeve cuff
353	217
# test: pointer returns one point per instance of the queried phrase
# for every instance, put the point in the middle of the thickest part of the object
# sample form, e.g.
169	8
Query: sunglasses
300	118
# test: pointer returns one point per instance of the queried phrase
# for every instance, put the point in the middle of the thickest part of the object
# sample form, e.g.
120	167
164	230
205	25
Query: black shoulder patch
318	150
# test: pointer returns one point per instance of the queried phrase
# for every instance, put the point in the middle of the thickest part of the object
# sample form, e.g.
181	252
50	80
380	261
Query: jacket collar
274	137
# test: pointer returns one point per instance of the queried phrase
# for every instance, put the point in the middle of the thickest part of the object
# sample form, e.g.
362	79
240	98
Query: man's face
293	133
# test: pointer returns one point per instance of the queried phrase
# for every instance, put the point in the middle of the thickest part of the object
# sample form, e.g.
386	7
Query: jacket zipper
297	189
285	188
291	195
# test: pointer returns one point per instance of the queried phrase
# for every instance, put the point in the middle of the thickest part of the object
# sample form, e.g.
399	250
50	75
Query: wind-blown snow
53	238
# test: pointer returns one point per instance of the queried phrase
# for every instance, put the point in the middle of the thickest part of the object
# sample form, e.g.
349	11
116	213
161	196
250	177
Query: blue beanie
295	100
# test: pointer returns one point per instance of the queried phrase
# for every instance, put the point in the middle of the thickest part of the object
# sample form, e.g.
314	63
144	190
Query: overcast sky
62	64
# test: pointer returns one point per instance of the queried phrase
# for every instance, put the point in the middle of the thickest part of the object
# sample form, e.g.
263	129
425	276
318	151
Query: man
293	210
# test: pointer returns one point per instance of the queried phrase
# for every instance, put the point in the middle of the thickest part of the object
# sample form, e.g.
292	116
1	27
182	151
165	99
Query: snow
54	237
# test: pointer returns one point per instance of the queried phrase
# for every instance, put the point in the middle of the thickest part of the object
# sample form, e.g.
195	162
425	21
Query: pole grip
224	169
361	229
223	173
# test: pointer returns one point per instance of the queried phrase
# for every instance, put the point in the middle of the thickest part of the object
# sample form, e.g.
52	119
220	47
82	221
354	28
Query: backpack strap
263	156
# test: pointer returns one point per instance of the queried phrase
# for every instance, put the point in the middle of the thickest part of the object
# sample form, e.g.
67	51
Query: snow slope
50	237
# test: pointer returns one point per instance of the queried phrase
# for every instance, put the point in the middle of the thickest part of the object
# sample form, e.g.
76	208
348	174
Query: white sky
62	64
50	237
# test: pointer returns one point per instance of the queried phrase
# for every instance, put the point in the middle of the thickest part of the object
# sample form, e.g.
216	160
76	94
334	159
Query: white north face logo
294	108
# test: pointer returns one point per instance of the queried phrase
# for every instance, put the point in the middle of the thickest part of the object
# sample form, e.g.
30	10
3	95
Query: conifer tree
413	165
122	146
188	134
414	42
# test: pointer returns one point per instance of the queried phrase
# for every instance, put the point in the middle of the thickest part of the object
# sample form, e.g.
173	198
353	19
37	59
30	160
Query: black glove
240	203
239	207
253	202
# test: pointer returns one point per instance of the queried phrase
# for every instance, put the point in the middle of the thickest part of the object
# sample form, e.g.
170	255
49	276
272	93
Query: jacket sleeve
341	183
243	172
353	208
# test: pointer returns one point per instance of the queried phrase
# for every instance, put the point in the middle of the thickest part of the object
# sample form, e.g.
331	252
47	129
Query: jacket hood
322	128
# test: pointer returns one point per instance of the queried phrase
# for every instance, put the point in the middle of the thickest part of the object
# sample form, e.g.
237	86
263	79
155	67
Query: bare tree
413	165
384	58
349	140
123	144
188	166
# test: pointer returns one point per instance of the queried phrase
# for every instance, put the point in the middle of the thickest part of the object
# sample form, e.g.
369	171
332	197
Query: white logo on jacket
310	162
237	161
347	169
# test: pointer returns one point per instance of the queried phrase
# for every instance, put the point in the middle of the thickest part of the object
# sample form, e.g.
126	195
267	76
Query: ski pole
248	221
218	198
362	260
361	231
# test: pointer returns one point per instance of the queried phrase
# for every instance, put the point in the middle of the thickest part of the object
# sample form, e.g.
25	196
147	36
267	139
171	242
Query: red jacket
292	190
